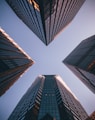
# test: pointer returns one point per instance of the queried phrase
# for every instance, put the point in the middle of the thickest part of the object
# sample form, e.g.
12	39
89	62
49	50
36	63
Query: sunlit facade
48	98
13	62
81	61
46	18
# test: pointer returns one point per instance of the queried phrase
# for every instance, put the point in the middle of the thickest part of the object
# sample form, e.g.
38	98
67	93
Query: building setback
46	18
13	62
48	98
81	61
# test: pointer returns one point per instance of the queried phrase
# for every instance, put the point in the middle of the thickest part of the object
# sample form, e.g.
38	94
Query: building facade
13	62
48	98
81	61
92	116
46	18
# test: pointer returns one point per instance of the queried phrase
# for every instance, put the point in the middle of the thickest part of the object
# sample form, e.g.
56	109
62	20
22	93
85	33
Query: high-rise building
92	116
13	62
48	99
81	61
46	18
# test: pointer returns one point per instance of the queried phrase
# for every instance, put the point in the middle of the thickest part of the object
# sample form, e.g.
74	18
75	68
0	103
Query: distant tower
13	62
81	61
48	99
46	18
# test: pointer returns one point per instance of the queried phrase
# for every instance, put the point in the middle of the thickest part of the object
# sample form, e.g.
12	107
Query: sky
48	59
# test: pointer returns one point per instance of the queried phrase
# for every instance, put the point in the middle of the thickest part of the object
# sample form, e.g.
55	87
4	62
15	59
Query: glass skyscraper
13	61
46	18
48	98
81	61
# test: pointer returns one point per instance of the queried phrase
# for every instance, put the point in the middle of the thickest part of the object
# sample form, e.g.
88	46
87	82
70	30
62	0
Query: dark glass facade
81	61
13	62
46	18
48	98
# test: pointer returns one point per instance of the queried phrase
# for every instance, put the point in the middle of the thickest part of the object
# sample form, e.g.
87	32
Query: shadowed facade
46	18
13	62
81	61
